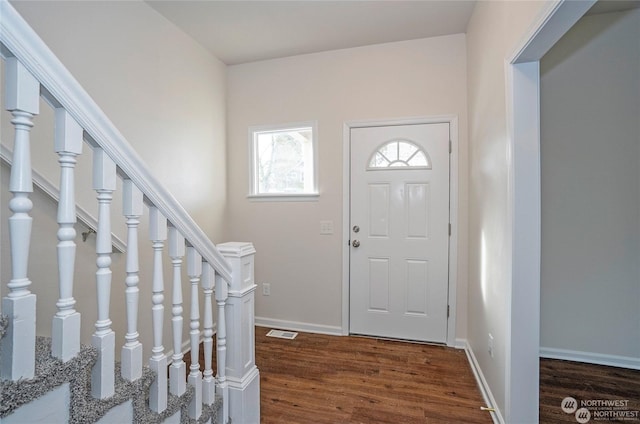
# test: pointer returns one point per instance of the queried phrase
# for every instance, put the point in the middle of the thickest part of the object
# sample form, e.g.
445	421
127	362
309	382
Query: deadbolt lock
356	229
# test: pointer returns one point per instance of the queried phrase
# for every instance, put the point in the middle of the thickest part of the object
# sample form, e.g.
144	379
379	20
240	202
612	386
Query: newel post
243	377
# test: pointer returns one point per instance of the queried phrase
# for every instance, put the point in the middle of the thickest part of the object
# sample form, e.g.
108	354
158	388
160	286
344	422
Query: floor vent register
289	335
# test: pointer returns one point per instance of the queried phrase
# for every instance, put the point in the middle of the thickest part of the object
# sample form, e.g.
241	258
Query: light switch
326	228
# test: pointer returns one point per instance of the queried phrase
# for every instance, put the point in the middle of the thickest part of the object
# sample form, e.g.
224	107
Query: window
399	154
283	162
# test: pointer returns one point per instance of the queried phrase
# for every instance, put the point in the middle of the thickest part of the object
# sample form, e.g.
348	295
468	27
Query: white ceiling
241	31
245	31
610	6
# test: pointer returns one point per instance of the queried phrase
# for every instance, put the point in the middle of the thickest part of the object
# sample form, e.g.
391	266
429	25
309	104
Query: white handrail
60	88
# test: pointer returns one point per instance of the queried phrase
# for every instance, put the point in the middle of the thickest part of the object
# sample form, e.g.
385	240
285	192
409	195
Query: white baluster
208	382
17	348
222	292
194	270
131	353
65	334
158	360
177	370
104	183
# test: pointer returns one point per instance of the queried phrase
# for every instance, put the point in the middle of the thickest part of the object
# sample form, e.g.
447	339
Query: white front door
399	231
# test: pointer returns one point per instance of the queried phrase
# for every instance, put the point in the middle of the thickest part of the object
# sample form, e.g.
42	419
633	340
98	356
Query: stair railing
32	71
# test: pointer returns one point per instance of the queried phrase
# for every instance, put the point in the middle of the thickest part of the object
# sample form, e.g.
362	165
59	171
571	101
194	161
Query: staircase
60	379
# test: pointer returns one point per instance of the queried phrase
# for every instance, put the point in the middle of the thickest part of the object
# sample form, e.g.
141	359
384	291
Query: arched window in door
399	154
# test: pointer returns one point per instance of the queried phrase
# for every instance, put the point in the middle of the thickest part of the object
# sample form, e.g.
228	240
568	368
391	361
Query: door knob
355	243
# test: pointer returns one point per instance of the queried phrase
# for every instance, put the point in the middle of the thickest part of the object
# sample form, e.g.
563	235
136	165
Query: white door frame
523	117
452	120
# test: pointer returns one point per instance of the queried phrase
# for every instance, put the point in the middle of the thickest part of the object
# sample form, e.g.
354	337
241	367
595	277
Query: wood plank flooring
319	379
585	382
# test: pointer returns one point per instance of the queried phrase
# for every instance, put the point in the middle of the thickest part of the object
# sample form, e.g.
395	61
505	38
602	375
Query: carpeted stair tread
86	409
51	372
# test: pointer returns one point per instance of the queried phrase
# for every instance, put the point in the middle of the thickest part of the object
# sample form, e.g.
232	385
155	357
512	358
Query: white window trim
283	197
295	197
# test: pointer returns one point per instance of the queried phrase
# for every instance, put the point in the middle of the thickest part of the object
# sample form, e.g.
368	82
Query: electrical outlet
490	345
266	289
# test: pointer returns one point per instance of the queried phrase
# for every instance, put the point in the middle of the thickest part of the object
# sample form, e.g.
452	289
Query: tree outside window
283	161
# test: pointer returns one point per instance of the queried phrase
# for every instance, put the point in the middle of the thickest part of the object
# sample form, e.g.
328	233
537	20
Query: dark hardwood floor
587	382
319	379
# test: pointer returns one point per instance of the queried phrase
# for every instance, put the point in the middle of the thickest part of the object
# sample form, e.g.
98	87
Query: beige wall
159	87
166	94
590	157
415	78
495	29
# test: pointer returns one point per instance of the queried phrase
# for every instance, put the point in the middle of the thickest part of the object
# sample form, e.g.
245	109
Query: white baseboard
460	344
591	358
299	326
485	390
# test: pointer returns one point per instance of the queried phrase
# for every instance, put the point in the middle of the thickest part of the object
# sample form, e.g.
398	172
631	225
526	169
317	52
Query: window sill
306	197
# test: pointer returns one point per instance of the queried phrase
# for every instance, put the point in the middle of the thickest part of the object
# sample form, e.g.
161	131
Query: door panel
379	284
417	209
379	209
417	283
399	258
